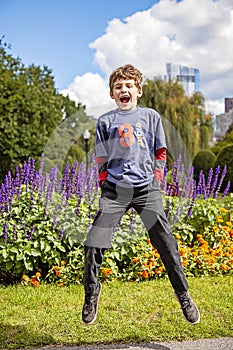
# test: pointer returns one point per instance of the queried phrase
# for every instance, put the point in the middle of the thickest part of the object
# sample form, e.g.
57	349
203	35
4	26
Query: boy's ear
111	94
140	91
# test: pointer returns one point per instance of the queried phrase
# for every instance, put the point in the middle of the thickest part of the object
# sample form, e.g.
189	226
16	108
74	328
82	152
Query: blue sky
83	41
57	33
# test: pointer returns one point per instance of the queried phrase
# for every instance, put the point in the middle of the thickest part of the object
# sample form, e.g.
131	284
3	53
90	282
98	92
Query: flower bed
44	221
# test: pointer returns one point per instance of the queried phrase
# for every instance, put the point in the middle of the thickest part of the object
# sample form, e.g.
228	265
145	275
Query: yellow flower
63	262
223	210
25	277
229	223
38	274
185	263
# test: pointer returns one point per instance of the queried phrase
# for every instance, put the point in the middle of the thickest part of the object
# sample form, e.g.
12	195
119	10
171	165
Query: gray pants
147	201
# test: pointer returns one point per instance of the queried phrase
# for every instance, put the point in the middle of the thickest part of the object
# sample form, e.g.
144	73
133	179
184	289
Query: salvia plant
44	217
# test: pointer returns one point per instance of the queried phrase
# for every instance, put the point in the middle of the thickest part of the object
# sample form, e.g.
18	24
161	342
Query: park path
202	344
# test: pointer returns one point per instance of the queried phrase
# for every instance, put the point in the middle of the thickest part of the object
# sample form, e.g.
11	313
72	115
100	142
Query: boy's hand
101	182
158	175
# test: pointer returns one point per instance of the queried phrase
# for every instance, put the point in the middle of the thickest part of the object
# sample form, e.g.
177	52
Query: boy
131	154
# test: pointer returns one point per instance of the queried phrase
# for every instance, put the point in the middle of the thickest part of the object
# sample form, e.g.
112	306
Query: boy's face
125	93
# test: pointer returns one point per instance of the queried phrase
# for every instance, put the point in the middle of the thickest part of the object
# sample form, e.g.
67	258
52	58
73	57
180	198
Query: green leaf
9	265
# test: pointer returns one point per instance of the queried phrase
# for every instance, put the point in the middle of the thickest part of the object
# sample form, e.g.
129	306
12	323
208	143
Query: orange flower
34	282
145	264
145	274
159	270
211	260
136	260
61	284
25	277
148	241
107	271
182	251
185	263
224	267
38	275
58	274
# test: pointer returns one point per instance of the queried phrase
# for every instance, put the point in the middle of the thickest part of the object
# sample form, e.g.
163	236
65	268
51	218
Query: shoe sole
193	323
91	322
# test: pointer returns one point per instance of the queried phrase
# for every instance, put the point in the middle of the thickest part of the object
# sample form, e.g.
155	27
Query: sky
83	41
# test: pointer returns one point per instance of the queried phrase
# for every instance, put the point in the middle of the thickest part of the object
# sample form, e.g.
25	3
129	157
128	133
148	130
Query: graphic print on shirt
127	138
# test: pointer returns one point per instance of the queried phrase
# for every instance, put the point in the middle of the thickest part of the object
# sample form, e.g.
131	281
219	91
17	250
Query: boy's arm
160	161
101	151
102	169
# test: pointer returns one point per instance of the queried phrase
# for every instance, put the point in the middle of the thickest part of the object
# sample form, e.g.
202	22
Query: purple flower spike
4	231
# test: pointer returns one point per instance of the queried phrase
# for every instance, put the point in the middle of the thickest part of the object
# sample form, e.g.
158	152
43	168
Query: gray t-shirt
128	141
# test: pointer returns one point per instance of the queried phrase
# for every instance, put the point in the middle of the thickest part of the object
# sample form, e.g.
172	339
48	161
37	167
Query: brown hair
128	71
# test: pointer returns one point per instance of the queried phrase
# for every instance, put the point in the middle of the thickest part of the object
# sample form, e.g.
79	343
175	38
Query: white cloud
193	33
92	91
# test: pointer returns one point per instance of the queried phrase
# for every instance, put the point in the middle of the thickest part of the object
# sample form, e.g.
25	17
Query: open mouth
124	99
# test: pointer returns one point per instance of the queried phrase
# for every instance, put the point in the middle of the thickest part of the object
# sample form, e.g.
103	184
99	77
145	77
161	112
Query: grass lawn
146	311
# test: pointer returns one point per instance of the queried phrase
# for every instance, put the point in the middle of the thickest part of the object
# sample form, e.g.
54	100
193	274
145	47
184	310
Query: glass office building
188	77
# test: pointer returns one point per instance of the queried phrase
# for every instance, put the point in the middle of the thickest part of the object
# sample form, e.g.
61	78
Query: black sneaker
190	310
90	307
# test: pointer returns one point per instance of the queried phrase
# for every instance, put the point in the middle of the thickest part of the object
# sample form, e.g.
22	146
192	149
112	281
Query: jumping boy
131	154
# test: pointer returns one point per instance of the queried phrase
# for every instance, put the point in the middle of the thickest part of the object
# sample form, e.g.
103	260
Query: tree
186	114
30	110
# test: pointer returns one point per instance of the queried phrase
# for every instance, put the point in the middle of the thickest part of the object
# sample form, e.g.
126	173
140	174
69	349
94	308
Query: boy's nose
124	88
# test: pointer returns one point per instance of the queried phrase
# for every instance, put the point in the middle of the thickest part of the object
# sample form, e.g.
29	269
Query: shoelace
185	301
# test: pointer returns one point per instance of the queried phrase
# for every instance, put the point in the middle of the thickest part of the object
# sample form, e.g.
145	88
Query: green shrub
225	157
203	161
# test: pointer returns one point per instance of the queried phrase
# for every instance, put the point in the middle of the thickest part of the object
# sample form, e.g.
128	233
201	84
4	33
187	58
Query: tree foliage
227	140
30	110
186	114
